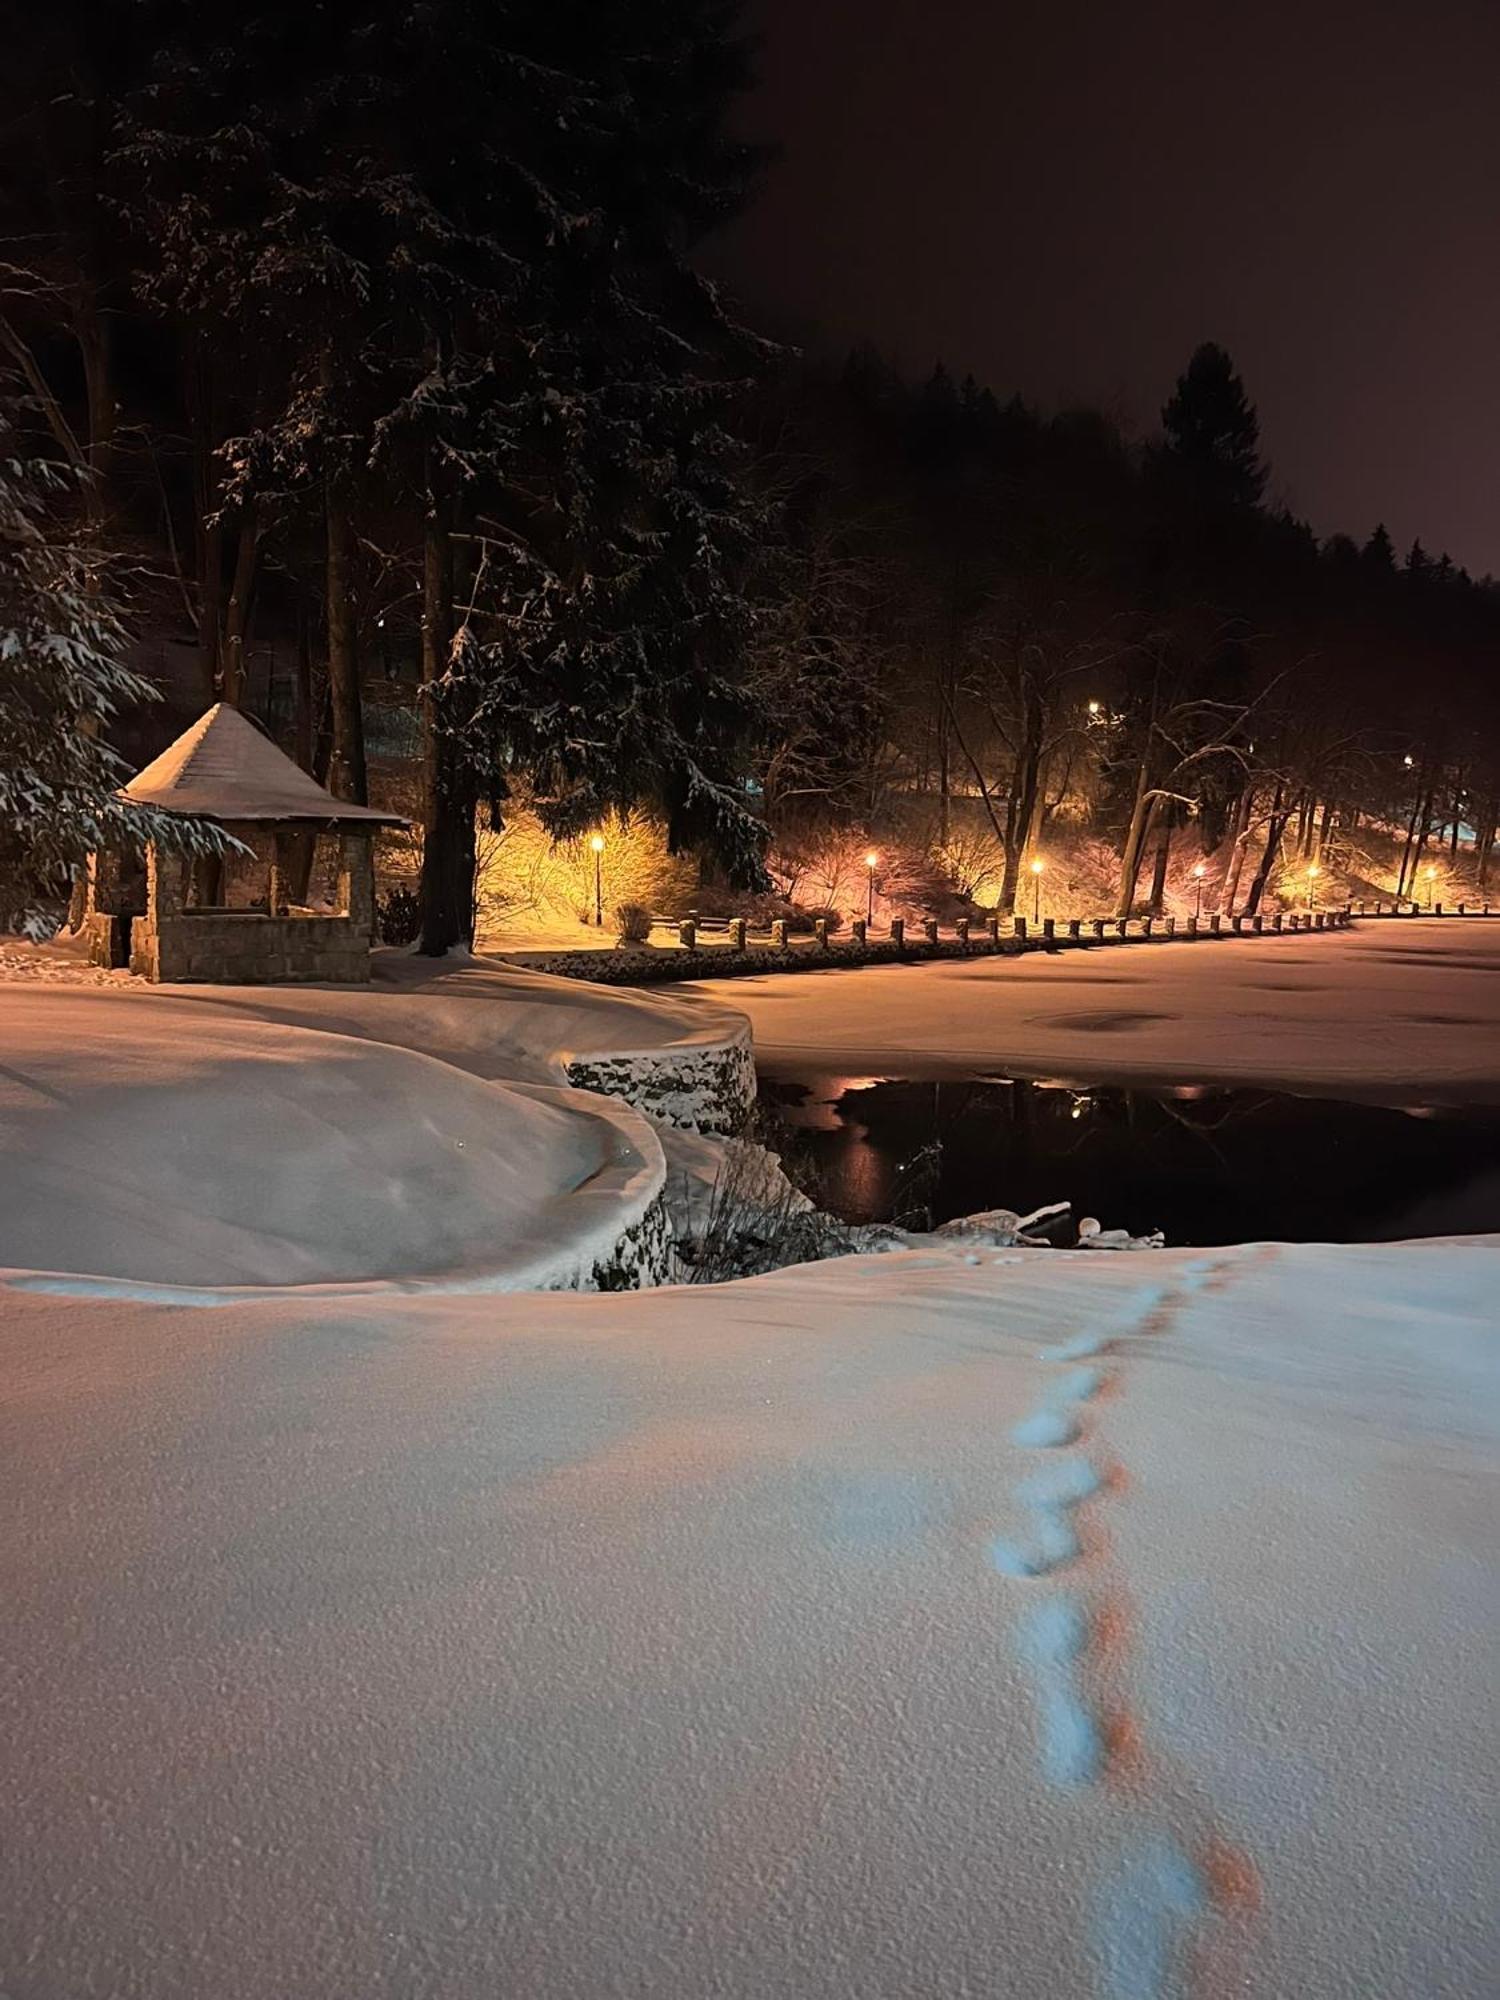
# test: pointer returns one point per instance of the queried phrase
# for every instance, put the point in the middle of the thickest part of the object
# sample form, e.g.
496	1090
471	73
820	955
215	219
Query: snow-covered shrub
399	918
632	923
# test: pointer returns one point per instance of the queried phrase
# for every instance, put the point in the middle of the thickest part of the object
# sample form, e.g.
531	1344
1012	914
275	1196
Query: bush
399	918
632	923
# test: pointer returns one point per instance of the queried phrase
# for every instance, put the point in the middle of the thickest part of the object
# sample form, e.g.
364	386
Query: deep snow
1408	1010
152	1139
656	1644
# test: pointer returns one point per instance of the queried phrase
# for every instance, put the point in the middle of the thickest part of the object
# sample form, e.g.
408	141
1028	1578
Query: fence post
1049	930
778	934
857	930
737	934
1019	928
1216	924
898	932
929	930
687	934
962	928
1096	927
1169	925
992	928
1122	925
1075	927
1148	925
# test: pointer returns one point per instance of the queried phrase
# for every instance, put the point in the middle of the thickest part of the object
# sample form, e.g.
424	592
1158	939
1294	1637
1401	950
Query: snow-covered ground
1408	1010
949	1623
1043	1626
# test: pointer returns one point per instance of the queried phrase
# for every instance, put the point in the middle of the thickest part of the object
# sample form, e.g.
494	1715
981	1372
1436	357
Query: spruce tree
1213	435
63	679
1379	553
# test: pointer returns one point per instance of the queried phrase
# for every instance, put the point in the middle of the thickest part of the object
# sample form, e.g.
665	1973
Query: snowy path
1409	1011
671	1644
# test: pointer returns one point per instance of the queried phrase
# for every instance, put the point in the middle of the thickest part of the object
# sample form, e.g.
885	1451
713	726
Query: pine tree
62	681
1379	554
1213	434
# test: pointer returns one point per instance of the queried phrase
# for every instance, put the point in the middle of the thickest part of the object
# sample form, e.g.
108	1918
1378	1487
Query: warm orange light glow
1314	869
1037	867
1200	871
597	843
871	859
1093	708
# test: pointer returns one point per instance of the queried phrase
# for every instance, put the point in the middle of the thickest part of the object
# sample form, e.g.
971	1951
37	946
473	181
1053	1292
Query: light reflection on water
1204	1164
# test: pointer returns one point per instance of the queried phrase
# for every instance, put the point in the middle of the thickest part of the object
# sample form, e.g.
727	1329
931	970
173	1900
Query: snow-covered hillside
1047	1626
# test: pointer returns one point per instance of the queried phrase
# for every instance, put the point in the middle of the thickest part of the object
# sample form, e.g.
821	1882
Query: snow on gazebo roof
224	769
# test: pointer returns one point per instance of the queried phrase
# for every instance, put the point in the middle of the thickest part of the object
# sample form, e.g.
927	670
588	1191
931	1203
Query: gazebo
234	922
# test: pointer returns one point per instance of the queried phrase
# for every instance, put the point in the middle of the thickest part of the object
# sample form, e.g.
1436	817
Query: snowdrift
172	1141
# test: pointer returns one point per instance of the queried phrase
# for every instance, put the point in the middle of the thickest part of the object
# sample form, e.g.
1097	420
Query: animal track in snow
1138	1917
1045	1427
1051	1640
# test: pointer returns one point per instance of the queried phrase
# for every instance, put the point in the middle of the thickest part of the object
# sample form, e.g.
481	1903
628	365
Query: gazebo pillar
357	881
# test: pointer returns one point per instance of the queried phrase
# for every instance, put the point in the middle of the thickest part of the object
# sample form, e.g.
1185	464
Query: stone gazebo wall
175	941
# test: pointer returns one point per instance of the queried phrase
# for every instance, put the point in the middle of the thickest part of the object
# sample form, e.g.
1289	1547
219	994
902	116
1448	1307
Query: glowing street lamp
597	843
1408	760
872	862
1093	708
1036	891
1313	872
1199	871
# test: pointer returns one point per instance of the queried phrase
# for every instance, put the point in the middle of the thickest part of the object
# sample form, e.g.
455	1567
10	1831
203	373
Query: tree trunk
1135	845
1275	827
1241	841
1163	852
210	592
1411	834
1483	844
1424	829
450	795
91	331
346	767
237	611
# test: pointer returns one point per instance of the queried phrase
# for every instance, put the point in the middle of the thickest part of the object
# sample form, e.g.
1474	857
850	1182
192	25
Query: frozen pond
1206	1165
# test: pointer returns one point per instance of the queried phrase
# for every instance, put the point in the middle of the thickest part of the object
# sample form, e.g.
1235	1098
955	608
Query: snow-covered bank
1408	1012
673	1643
149	1140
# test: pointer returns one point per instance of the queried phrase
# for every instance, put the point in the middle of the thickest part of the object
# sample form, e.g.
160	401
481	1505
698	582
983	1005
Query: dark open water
1205	1165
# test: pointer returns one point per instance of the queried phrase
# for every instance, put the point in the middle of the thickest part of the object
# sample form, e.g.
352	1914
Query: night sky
1066	196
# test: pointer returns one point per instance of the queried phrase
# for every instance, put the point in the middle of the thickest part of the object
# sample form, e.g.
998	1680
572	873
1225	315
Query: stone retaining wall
708	1088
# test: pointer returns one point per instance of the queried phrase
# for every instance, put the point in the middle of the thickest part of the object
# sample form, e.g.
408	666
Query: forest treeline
378	332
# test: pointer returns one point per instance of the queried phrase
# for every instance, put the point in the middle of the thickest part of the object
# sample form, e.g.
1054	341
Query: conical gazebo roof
224	769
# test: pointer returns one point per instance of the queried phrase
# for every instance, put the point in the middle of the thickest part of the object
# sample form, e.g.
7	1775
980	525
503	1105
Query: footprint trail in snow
1156	1891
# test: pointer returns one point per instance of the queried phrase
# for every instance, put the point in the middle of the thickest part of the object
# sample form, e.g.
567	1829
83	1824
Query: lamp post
1313	872
597	843
1036	891
1199	871
1431	874
872	861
